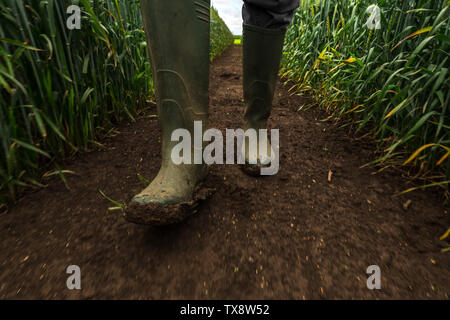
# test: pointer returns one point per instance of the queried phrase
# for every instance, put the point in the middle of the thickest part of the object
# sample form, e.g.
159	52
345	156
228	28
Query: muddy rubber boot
262	49
178	40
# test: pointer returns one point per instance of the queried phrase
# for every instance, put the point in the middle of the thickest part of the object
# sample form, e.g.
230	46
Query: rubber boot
262	49
178	37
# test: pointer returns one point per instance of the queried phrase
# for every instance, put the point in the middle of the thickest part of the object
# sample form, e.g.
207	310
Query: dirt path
291	236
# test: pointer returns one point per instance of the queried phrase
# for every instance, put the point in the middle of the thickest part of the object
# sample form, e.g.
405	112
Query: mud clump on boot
155	214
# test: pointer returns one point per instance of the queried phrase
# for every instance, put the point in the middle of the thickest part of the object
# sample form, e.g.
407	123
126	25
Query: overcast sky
231	12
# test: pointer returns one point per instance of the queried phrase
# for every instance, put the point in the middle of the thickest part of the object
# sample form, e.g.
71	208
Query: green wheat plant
393	82
221	36
61	89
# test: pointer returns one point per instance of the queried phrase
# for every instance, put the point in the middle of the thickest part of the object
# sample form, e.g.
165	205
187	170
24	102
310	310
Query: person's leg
265	23
178	39
269	14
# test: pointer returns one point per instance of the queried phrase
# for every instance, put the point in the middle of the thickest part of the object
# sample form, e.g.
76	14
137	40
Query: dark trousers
270	14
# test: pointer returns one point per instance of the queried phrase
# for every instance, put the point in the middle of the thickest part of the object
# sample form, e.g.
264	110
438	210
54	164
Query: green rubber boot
262	49
178	37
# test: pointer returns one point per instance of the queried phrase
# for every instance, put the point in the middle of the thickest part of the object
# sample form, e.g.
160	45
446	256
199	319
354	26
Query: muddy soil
295	235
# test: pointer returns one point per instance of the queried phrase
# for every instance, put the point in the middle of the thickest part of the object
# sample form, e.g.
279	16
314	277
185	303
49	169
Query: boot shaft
262	50
178	34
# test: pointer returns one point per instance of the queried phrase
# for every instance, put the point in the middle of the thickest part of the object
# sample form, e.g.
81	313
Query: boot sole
153	214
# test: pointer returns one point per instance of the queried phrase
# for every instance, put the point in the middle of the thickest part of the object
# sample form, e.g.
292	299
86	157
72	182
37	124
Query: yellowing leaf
418	151
445	235
396	109
350	111
338	66
322	54
349	60
443	158
424	187
428	29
